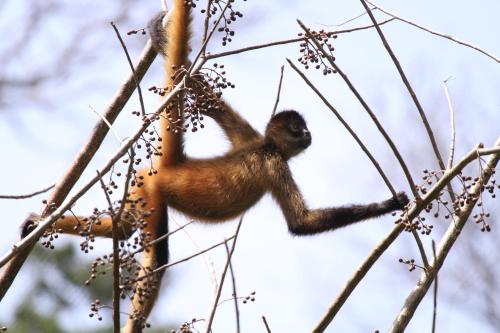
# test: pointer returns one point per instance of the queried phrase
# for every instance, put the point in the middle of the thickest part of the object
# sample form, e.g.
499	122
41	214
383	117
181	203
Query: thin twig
452	124
366	107
268	329
286	41
421	248
26	196
223	276
434	300
454	229
206	258
166	266
115	220
205	42
235	294
488	151
356	278
81	161
159	239
111	128
164	6
191	256
205	25
116	275
116	260
348	21
134	75
279	92
497	59
395	60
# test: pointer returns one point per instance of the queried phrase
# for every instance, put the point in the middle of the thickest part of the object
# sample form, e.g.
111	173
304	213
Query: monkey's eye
295	128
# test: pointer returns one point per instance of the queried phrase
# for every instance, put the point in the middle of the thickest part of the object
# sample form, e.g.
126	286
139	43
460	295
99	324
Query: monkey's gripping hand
29	225
398	202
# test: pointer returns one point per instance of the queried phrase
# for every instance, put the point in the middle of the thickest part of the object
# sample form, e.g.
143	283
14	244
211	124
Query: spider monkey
220	188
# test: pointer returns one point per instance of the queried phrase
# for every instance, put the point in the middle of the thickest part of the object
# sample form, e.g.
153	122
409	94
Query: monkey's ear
29	224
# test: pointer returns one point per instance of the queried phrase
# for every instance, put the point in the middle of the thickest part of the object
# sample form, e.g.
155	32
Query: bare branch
434	300
116	261
110	126
497	59
116	218
395	60
268	329
286	41
206	258
26	196
421	248
488	151
447	242
205	24
278	93
348	20
207	39
223	276
159	239
235	294
358	275
163	267
452	125
134	75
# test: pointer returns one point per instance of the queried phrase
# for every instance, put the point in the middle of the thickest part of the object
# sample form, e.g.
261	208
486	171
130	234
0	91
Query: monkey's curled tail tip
29	224
157	33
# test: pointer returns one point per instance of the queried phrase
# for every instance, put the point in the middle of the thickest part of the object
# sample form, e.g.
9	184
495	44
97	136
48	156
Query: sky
295	279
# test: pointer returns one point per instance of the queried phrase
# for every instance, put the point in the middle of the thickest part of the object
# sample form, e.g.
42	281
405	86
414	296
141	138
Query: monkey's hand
29	224
399	201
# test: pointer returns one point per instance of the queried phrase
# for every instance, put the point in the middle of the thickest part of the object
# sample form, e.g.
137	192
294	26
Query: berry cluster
312	55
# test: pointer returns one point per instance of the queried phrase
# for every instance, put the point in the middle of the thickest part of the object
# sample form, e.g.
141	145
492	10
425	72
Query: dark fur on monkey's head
288	131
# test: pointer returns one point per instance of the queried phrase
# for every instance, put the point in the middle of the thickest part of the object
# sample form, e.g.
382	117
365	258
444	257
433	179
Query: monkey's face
288	130
297	134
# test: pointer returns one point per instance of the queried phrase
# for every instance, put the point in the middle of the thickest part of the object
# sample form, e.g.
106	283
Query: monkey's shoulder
252	160
259	153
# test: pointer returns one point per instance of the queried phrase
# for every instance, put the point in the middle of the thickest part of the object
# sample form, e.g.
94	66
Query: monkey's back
216	189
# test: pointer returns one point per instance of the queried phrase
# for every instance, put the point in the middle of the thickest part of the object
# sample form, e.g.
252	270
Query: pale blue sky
295	279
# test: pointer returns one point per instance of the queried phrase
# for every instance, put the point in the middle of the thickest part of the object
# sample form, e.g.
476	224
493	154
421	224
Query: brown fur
176	52
221	188
176	49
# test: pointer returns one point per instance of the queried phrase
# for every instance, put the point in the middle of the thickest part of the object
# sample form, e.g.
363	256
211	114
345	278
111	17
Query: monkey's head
288	131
